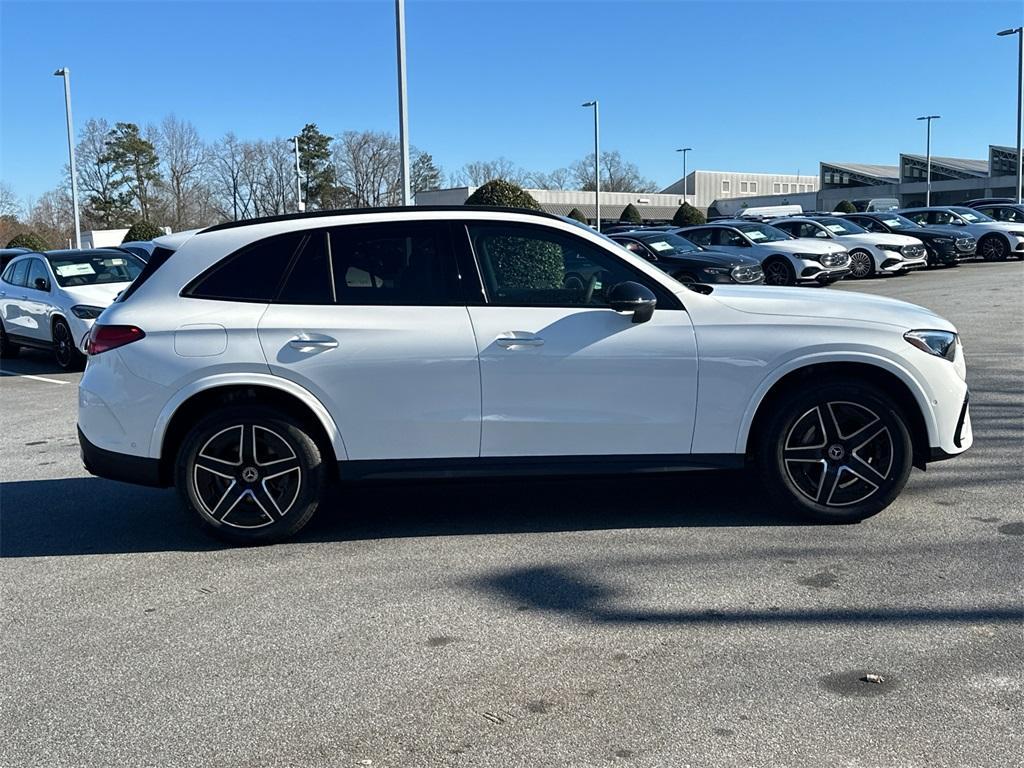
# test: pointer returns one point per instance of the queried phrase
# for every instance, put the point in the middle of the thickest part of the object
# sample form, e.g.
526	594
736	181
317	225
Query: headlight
746	274
808	256
890	247
1017	234
717	270
86	312
840	259
938	343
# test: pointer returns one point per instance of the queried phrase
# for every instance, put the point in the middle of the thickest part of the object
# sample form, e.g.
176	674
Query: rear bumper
119	466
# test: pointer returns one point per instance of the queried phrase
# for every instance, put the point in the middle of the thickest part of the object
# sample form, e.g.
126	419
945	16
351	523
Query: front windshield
973	216
841	227
899	222
95	267
669	244
762	233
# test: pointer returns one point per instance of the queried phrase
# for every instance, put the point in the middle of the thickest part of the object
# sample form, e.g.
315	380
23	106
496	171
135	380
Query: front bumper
815	273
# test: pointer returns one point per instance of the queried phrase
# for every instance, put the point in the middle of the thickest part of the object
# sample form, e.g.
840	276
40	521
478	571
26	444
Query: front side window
95	268
37	271
941	217
920	217
538	267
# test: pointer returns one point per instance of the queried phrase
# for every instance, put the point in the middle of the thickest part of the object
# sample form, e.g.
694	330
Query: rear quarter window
252	273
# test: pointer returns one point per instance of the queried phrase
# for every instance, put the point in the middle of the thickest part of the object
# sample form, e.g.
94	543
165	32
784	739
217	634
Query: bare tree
107	203
479	172
560	178
52	217
367	167
9	205
229	174
183	155
617	175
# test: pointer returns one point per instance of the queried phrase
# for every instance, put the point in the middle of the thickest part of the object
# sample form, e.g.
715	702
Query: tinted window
532	266
728	237
407	264
94	267
157	259
36	271
699	236
17	274
252	273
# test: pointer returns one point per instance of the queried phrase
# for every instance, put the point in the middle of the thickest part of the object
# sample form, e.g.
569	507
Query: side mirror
42	284
635	298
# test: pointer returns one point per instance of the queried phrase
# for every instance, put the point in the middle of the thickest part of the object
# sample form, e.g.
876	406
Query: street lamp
684	150
403	117
66	74
1019	31
597	160
928	187
299	205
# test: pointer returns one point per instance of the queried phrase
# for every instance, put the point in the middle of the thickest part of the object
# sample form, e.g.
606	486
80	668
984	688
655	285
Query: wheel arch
895	381
203	396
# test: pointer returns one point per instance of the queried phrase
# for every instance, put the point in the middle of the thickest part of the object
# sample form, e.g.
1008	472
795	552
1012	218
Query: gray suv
997	240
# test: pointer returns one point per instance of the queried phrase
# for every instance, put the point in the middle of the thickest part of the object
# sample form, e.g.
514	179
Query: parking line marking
30	376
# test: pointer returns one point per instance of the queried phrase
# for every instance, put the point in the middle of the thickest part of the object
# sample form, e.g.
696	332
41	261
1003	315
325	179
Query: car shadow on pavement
78	516
36	362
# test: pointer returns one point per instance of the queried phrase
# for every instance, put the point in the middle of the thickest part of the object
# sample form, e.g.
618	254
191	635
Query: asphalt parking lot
666	621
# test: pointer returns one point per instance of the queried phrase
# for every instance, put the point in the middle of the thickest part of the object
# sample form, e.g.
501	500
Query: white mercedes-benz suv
870	253
261	360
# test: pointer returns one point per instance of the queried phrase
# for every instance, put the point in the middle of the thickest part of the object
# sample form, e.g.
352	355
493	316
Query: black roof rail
357	211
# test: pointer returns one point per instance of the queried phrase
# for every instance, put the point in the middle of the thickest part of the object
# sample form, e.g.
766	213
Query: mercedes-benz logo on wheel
836	452
250	475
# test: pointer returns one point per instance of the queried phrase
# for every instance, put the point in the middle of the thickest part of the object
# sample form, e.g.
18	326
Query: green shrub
142	230
28	240
631	214
845	206
688	216
575	213
503	194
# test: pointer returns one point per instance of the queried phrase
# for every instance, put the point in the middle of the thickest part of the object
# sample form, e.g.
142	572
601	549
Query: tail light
106	337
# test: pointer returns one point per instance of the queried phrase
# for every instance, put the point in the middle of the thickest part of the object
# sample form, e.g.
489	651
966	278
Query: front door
371	320
562	373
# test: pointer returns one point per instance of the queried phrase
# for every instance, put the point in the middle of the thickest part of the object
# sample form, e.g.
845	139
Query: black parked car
688	263
945	245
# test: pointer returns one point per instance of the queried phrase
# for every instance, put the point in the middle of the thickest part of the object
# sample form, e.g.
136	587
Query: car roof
69	252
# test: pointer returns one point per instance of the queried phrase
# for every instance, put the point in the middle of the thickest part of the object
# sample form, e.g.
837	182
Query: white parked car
263	359
997	240
870	253
784	259
50	300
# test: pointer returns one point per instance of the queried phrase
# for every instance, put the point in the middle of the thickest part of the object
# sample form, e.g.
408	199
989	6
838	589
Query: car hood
878	238
806	245
101	295
716	258
939	231
826	303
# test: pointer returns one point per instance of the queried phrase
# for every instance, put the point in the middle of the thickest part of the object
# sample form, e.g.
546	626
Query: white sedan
50	300
871	253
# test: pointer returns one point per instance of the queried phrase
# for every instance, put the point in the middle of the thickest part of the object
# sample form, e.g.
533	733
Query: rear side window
17	274
393	264
252	273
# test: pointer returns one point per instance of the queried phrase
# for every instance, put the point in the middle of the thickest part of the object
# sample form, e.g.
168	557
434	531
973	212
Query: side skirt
516	466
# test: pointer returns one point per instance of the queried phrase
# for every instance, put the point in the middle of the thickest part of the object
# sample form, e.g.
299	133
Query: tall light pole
66	74
684	150
1019	31
597	160
299	206
928	161
403	117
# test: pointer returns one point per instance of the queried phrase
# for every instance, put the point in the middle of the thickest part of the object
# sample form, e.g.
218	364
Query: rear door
371	320
13	301
38	304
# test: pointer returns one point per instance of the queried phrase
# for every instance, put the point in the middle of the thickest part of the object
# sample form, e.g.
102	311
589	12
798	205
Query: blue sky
758	86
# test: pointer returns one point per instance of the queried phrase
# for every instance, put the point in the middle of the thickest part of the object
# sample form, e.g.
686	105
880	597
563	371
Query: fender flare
818	358
246	379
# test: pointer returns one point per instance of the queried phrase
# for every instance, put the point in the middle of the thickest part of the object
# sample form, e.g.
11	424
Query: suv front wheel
250	474
835	452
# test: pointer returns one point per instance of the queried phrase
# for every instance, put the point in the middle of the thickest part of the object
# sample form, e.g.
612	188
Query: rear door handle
312	341
519	341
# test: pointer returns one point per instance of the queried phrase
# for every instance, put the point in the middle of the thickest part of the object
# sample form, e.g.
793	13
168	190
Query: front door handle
307	341
519	341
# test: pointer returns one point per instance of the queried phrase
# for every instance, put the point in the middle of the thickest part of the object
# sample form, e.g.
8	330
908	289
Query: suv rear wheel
835	452
778	271
250	474
8	348
993	248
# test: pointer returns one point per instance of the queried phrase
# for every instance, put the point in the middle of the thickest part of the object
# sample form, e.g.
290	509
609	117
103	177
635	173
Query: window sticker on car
755	235
837	228
112	262
660	245
73	270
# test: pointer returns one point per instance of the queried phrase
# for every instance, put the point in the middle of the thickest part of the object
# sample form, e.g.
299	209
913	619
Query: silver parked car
996	239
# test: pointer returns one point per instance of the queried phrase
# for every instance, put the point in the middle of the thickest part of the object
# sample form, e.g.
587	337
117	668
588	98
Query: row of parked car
823	248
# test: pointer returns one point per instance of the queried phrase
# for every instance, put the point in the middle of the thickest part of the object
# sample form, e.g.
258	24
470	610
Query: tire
993	248
686	278
8	348
250	475
862	264
64	350
831	471
778	271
